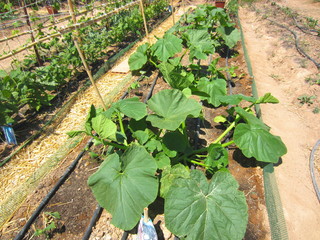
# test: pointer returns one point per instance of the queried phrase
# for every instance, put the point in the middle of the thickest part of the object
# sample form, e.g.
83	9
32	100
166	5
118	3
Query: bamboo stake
89	74
146	215
63	30
144	20
174	22
31	34
74	19
83	59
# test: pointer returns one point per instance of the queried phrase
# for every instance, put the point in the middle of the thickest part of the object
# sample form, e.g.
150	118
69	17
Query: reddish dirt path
278	69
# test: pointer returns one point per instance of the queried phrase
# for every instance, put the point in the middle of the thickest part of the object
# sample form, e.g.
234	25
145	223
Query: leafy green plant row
149	149
37	86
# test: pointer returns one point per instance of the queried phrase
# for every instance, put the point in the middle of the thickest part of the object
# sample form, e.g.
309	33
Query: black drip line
299	49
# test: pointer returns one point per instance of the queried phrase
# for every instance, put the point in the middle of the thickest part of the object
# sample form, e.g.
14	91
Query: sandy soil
277	68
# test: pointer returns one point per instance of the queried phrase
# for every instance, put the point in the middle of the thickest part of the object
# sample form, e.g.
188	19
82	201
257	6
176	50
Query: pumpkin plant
150	150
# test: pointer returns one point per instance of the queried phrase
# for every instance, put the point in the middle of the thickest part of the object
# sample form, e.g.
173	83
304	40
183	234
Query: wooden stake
146	215
89	74
174	22
74	19
144	20
31	33
83	59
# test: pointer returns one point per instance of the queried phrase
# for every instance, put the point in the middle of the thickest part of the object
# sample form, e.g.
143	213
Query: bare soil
280	69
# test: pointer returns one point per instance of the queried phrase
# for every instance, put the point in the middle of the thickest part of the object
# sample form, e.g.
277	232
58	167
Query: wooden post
31	33
144	20
83	59
74	19
174	22
89	74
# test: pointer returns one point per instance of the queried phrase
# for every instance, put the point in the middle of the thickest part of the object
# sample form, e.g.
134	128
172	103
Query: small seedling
49	224
275	77
316	110
305	99
313	80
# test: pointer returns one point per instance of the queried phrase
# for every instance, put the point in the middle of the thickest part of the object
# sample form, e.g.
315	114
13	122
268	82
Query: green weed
305	99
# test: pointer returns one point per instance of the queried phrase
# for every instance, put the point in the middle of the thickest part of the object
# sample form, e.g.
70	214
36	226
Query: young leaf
167	47
176	76
162	160
255	141
203	210
141	136
73	134
104	127
215	89
171	173
251	119
139	58
217	157
235	99
267	98
171	108
125	185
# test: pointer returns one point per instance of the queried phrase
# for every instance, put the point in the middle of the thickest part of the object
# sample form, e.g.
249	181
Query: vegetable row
147	150
36	86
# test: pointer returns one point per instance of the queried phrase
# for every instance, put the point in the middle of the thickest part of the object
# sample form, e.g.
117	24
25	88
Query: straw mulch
21	175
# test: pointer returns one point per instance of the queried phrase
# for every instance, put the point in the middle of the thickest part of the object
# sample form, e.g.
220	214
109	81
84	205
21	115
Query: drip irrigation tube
311	165
152	87
52	192
95	217
306	30
299	49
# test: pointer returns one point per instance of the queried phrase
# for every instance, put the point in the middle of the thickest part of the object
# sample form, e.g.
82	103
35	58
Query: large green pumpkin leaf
124	186
139	58
204	210
199	43
167	47
230	35
132	107
215	89
171	108
256	141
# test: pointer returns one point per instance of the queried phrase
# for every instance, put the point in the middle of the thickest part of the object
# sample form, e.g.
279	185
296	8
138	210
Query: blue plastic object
9	135
146	230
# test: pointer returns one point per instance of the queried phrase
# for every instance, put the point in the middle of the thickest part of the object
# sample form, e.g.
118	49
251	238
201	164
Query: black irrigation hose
311	164
152	87
95	217
300	50
306	30
125	236
52	192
